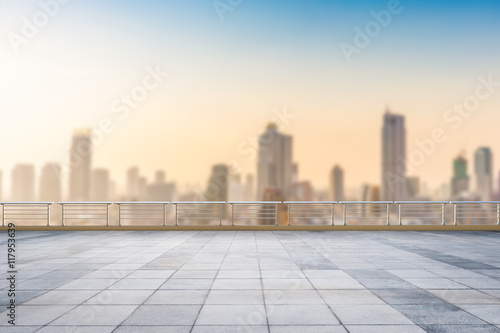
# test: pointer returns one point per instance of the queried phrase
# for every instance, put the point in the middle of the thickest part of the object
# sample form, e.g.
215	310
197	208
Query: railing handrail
26	203
197	202
86	203
366	202
141	202
421	202
310	202
472	202
253	202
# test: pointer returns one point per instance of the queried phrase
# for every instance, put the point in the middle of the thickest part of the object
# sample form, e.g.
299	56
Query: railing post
119	215
48	215
107	215
443	214
232	215
333	214
343	214
3	215
388	216
176	219
276	214
62	218
288	210
455	214
164	215
498	213
399	214
220	214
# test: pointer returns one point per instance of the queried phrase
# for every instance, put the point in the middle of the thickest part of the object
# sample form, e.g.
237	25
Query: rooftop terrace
255	281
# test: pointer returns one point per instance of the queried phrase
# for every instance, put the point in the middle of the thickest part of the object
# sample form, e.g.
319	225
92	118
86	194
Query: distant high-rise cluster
277	177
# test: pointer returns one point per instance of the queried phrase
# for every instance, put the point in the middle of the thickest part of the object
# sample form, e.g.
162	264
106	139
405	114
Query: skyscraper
460	180
393	157
133	183
99	185
23	183
337	184
274	167
483	166
217	188
80	163
50	183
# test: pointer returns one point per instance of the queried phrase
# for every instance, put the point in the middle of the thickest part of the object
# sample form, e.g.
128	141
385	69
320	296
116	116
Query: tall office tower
249	188
236	189
99	185
337	184
483	166
274	167
217	188
80	162
393	157
23	183
460	180
50	183
413	187
133	183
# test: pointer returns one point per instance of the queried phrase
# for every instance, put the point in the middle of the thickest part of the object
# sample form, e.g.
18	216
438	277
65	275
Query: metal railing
261	211
147	210
85	211
21	211
421	210
475	210
311	211
366	210
198	210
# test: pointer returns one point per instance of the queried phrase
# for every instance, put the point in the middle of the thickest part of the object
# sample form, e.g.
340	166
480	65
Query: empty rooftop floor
245	281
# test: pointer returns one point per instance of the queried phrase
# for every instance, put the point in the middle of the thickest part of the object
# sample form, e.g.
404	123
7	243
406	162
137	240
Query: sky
224	71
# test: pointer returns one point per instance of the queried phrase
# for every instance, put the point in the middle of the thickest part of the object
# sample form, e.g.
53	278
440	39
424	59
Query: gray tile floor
256	282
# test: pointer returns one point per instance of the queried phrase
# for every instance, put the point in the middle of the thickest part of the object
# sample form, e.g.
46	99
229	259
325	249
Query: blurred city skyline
205	88
277	175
